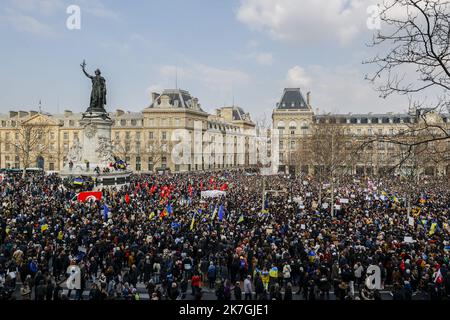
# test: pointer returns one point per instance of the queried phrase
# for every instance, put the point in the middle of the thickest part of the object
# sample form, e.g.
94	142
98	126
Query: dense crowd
159	231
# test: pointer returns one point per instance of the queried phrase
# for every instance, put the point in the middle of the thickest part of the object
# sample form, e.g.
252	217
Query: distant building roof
177	98
292	99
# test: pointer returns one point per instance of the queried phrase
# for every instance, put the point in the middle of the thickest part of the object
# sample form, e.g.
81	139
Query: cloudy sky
241	50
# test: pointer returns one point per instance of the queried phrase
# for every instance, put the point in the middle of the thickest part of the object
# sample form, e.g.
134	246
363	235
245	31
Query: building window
52	136
66	147
123	122
133	122
127	135
75	135
292	132
117	134
51	166
13	123
138	136
138	147
164	135
16	136
164	162
150	135
292	145
52	146
150	164
127	147
151	123
177	167
369	132
3	123
66	136
71	123
281	145
138	163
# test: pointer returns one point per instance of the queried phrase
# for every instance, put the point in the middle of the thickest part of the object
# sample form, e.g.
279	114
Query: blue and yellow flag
433	228
214	213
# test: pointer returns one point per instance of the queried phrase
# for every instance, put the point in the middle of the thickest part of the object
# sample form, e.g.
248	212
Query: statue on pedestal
98	93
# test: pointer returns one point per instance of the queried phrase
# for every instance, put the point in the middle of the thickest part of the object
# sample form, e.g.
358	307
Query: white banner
213	194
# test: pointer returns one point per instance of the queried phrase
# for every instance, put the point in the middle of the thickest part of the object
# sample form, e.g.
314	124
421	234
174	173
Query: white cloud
342	89
217	79
37	6
261	58
306	20
26	23
98	9
264	58
297	77
221	79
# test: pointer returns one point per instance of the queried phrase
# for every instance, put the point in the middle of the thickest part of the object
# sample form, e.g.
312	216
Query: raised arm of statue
83	66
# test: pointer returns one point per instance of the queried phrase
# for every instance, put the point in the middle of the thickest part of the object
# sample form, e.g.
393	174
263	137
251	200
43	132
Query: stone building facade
296	121
142	139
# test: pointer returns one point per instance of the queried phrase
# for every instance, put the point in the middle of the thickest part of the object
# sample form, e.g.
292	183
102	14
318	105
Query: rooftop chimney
308	98
119	112
67	113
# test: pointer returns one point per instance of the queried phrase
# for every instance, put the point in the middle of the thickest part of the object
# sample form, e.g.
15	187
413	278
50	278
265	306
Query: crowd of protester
158	231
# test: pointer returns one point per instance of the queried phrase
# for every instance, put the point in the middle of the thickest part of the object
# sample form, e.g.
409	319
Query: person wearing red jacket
196	283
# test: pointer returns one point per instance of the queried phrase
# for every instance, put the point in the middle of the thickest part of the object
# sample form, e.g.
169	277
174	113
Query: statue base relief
93	155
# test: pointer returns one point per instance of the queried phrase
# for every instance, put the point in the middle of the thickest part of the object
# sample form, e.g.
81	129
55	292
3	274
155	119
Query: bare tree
156	150
330	151
31	141
121	149
415	58
417	35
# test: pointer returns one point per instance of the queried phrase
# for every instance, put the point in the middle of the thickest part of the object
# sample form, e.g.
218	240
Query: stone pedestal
96	149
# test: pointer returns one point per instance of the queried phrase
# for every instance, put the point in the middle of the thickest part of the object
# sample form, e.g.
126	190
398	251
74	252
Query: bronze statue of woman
98	93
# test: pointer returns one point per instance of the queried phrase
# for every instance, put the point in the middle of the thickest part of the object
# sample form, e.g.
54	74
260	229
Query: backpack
211	271
33	267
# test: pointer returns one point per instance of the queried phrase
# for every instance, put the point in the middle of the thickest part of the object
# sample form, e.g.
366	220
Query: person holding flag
214	213
221	212
193	220
170	209
105	212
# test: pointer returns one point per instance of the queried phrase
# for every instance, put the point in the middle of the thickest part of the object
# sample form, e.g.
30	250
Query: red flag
190	190
163	214
224	187
88	196
127	198
153	189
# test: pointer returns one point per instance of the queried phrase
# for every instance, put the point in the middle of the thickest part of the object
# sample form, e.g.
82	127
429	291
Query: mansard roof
292	99
177	99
